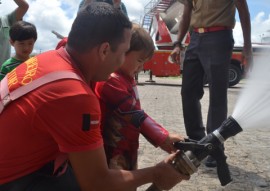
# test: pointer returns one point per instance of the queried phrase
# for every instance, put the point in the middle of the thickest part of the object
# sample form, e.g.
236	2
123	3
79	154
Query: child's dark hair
22	30
141	41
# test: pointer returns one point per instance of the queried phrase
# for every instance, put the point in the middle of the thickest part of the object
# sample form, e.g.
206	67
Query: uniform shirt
5	23
211	13
8	66
59	117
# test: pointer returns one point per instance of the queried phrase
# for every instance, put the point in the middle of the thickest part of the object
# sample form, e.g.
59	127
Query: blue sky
256	6
58	15
260	21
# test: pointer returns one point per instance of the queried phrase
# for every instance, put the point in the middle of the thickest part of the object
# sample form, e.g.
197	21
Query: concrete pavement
248	152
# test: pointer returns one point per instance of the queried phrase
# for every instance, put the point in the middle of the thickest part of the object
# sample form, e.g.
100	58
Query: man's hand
166	176
244	15
167	145
175	55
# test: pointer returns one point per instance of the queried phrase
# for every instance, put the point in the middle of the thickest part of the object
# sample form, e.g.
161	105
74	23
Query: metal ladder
153	7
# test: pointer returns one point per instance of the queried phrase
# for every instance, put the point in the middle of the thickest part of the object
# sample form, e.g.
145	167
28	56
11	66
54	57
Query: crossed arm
21	9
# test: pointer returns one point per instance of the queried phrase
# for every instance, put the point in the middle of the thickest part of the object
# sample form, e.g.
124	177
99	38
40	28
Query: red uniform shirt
62	116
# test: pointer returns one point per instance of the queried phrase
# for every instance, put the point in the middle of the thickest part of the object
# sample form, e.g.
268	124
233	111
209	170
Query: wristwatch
179	44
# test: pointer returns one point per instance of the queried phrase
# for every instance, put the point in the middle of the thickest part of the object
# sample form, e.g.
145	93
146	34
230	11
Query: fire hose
193	152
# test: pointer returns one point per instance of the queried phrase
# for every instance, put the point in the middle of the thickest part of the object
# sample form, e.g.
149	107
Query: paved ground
248	152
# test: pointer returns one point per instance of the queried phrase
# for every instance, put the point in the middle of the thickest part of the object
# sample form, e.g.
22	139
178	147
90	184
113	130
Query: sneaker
210	162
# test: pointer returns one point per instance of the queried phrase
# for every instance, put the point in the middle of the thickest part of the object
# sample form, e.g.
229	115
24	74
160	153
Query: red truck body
160	66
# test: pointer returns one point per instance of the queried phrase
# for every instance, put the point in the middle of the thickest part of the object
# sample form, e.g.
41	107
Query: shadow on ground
242	180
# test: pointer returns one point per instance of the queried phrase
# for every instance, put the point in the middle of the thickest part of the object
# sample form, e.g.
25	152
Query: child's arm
167	145
153	131
117	96
158	135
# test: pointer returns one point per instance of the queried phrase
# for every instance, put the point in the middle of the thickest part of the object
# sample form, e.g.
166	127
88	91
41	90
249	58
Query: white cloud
259	25
47	17
237	34
135	9
58	15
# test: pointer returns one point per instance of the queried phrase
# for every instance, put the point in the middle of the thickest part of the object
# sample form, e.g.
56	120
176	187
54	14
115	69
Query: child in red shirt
123	119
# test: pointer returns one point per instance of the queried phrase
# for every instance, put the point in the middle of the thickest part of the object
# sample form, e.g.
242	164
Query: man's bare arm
185	21
21	9
183	29
92	173
244	16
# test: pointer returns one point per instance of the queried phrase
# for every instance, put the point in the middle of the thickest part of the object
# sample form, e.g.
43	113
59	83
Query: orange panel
160	66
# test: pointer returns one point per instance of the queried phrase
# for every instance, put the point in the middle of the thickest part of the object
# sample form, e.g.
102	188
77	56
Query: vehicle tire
235	75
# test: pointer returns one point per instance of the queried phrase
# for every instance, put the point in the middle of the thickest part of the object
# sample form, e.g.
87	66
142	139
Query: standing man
209	53
59	121
6	22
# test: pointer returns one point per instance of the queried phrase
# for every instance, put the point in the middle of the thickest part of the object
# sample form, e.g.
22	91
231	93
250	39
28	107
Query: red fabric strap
210	29
7	96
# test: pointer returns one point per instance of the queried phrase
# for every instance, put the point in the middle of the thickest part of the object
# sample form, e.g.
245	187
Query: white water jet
252	108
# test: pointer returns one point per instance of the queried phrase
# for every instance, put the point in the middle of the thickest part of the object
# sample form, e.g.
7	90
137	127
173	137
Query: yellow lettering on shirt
31	69
12	78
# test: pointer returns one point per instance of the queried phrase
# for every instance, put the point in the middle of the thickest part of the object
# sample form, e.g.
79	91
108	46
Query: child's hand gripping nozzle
193	152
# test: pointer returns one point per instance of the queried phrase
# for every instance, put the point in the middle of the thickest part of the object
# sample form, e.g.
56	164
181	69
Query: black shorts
43	180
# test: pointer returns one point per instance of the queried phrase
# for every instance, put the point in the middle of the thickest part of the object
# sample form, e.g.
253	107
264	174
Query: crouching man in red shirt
50	118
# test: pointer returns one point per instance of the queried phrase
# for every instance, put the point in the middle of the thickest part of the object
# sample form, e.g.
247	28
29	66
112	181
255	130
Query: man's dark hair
95	24
22	30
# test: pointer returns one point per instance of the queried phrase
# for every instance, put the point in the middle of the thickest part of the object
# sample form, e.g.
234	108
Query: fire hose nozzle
193	152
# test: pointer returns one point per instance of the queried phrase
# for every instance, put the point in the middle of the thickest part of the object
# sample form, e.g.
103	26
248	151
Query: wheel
235	75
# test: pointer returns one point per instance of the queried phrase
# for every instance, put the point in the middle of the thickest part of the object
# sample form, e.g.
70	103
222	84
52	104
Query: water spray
252	108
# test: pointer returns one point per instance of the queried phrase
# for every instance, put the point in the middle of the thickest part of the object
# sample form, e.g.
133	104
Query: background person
6	22
23	36
60	120
209	54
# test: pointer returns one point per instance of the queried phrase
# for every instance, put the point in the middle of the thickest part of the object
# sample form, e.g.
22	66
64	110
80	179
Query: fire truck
161	19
